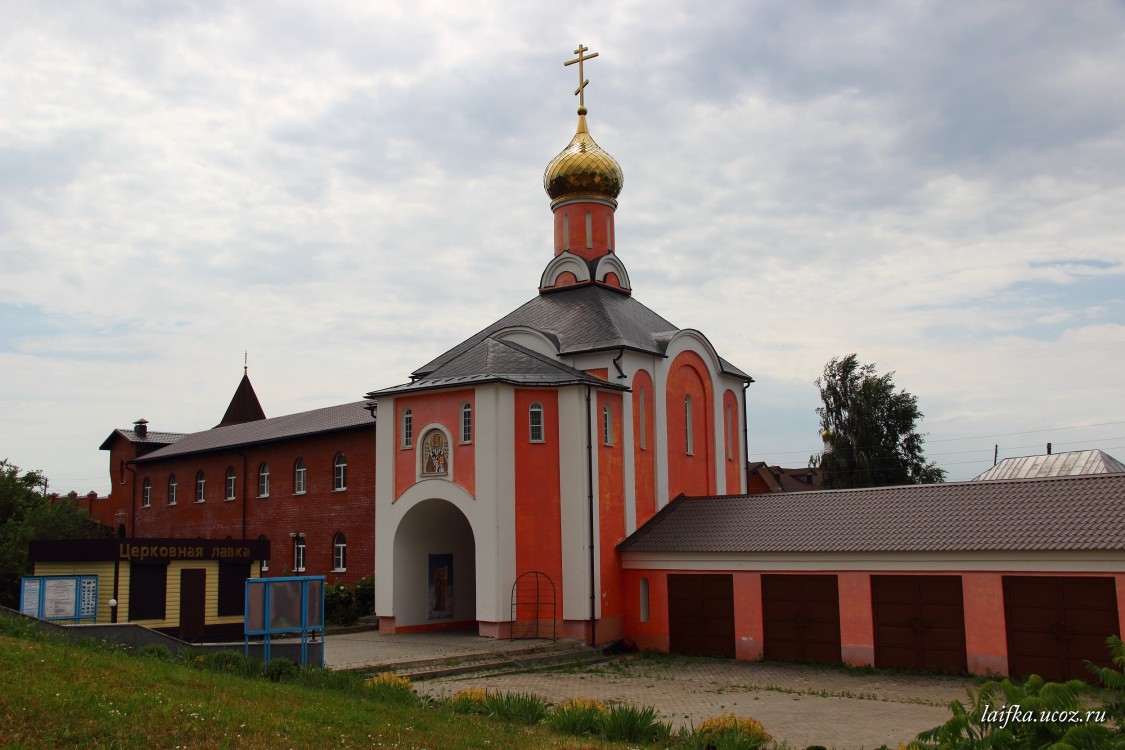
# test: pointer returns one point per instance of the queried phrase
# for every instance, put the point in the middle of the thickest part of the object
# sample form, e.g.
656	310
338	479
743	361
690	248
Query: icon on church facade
435	454
441	587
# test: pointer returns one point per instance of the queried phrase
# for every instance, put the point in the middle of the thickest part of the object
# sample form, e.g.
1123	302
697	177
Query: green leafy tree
25	514
869	430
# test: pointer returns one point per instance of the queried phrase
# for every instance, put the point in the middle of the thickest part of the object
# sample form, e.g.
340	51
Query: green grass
59	695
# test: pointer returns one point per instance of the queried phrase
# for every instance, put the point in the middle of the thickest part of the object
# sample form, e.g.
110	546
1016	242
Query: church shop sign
151	550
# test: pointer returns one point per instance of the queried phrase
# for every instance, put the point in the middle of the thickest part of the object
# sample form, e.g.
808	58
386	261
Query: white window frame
300	477
340	472
232	479
173	485
535	423
299	553
146	493
607	425
200	487
408	429
264	480
467	423
339	553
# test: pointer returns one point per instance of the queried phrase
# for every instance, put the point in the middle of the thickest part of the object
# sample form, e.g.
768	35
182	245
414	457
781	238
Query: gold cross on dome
580	92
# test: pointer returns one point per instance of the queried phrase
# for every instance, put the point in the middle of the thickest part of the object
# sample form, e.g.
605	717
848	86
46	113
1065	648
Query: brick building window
264	480
298	554
146	494
299	475
200	487
172	490
230	482
339	553
407	428
535	423
467	423
340	473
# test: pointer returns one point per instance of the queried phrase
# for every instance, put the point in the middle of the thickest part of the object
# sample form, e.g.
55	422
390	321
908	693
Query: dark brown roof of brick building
1058	513
244	405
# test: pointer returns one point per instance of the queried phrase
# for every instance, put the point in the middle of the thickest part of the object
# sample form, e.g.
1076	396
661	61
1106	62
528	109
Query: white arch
532	339
434	531
565	261
612	264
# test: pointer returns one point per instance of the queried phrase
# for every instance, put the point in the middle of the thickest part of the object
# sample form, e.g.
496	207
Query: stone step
509	664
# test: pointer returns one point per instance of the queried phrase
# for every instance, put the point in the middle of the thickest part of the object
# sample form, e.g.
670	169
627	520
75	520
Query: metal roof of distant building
328	419
1068	463
583	319
1058	513
495	360
149	438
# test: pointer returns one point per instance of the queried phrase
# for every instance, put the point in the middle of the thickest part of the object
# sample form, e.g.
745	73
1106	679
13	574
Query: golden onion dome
583	168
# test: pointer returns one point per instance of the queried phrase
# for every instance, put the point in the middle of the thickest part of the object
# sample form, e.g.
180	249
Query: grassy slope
62	696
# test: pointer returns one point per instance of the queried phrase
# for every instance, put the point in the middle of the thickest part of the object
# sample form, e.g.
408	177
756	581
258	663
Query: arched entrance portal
434	568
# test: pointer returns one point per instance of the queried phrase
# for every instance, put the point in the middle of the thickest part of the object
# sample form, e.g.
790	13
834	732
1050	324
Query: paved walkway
801	704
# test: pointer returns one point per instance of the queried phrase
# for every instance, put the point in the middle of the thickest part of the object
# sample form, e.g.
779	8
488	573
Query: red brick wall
318	514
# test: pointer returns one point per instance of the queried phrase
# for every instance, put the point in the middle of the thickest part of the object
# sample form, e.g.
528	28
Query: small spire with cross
580	92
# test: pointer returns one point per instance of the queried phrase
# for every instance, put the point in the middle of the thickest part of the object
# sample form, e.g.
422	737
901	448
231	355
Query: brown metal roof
149	438
329	419
244	405
1059	513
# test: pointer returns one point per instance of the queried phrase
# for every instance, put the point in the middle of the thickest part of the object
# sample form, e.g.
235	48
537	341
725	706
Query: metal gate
534	607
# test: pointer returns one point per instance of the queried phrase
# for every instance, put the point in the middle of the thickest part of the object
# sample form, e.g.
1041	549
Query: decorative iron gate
533	606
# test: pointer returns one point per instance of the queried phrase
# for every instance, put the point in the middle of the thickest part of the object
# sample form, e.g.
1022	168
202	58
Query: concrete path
801	704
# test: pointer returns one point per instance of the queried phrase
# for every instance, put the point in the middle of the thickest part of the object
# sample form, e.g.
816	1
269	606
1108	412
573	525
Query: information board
73	598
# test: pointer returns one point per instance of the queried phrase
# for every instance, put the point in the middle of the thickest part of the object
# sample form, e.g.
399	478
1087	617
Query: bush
578	717
392	688
232	662
339	605
630	724
469	701
365	596
157	651
728	732
282	670
522	708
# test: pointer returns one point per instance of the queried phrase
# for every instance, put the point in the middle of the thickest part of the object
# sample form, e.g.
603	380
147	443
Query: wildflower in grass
389	686
469	701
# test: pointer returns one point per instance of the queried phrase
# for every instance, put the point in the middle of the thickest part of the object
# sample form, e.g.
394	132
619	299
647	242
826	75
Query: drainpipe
746	435
590	508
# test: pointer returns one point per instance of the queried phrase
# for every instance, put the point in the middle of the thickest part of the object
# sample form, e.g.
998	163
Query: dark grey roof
1058	513
329	419
582	319
150	438
1054	465
493	360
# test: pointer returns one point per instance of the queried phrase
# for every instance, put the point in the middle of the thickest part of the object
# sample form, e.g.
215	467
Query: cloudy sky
346	189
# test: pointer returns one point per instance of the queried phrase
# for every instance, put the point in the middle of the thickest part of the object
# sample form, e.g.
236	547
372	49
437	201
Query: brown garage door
1056	624
919	623
801	615
701	614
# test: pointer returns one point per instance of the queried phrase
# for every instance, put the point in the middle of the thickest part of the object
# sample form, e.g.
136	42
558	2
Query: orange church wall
538	502
690	473
732	446
435	407
611	513
644	447
653	633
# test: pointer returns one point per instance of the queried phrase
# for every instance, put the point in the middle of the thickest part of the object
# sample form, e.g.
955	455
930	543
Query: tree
25	514
868	429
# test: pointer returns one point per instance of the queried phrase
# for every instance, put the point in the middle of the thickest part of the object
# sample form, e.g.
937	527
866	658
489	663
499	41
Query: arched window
339	553
146	494
172	490
299	477
607	425
299	553
688	431
200	487
467	423
230	483
264	480
407	428
535	423
644	600
340	473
